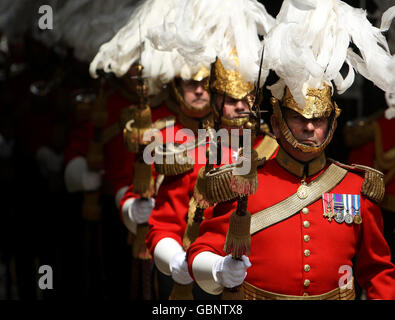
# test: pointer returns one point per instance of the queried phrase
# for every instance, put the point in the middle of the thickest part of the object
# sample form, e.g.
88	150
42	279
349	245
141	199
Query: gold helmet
308	48
201	75
230	83
318	104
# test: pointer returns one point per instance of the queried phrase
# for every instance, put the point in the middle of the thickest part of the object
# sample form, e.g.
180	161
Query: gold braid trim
172	162
346	292
238	238
286	132
172	169
200	190
218	187
247	183
143	182
171	159
373	184
136	128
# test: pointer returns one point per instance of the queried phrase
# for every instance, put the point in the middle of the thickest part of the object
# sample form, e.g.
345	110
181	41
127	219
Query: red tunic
169	217
278	253
167	135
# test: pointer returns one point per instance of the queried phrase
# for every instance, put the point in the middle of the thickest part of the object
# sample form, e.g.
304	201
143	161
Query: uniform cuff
73	174
164	251
202	268
119	195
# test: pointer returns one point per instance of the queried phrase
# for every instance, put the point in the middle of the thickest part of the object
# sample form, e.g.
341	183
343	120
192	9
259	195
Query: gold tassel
143	182
94	157
134	130
142	117
218	183
200	192
246	184
238	238
140	250
173	163
373	185
91	210
195	217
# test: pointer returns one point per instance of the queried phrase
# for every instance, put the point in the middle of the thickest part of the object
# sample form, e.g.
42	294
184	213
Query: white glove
141	210
48	160
179	268
229	272
91	180
78	177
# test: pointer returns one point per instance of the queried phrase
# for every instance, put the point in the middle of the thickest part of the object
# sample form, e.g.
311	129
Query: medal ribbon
356	204
338	202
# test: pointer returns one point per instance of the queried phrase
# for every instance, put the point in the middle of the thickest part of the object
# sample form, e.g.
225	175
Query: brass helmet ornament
318	104
202	75
223	82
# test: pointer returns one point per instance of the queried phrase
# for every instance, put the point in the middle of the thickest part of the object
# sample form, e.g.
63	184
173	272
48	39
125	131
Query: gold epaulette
373	185
267	147
171	162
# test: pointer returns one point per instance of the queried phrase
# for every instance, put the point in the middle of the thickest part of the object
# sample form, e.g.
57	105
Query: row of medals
337	212
340	217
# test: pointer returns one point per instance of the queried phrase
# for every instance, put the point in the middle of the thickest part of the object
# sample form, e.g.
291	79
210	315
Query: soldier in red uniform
378	153
315	223
175	202
189	107
174	222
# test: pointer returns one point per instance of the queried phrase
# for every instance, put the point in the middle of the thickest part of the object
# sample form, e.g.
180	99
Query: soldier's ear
275	126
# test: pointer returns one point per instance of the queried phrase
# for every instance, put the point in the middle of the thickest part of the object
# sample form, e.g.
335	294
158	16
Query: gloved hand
91	180
141	210
48	160
229	272
179	268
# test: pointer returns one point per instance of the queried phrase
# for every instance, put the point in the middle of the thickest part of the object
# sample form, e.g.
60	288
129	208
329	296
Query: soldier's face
233	108
194	93
311	132
307	131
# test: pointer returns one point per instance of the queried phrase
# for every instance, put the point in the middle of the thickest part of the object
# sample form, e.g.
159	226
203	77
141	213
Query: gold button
305	210
306	238
305	294
306	283
306	268
307	252
306	224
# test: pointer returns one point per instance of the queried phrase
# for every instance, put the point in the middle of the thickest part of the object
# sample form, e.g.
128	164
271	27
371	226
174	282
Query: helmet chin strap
290	138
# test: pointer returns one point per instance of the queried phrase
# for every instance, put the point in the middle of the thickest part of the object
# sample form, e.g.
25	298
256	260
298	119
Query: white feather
386	19
210	29
128	45
315	44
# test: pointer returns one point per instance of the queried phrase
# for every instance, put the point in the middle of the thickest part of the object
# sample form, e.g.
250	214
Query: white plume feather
129	44
207	29
315	39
